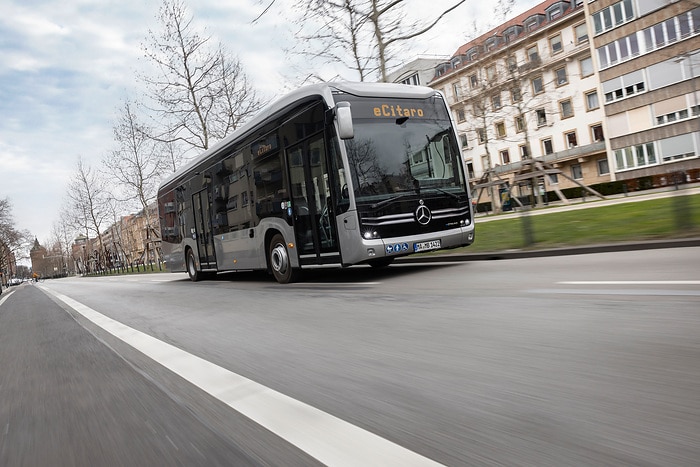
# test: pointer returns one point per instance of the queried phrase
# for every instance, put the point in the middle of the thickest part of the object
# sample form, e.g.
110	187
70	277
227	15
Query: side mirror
343	115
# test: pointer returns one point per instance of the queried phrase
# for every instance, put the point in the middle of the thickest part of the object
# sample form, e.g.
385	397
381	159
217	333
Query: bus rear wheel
280	264
192	271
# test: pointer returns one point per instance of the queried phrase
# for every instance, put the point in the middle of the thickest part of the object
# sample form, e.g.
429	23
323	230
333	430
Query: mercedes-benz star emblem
423	214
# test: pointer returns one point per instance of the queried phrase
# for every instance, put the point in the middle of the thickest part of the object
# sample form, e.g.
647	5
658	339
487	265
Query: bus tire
280	265
192	271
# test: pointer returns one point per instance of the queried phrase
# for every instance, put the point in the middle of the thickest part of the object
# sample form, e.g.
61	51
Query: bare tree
88	200
62	236
200	89
137	164
368	32
13	242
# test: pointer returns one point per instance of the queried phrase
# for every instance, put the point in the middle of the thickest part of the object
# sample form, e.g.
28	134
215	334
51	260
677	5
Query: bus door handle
251	233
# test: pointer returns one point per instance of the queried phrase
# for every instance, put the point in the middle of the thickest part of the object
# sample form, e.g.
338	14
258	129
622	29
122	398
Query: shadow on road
331	275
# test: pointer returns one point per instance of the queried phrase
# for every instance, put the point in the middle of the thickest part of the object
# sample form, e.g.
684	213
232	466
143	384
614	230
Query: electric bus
332	174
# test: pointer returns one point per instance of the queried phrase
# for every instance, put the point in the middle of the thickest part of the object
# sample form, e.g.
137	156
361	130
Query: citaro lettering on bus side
388	110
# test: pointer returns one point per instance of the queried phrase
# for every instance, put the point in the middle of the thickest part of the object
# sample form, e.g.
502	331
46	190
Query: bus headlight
370	234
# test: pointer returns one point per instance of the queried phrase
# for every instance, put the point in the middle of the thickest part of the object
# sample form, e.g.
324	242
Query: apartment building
418	72
648	54
527	92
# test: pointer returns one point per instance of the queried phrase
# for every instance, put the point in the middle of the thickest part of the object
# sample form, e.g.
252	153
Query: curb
564	251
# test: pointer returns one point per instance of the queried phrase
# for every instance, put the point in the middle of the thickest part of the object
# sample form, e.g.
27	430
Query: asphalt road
576	360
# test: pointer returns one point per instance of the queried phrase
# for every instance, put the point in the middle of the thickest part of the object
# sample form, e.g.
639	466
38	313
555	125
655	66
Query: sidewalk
593	202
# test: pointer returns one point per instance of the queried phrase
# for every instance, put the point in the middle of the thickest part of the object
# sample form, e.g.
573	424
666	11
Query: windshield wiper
389	200
444	192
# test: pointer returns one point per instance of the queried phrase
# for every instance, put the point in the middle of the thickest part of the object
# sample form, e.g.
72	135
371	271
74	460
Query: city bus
332	174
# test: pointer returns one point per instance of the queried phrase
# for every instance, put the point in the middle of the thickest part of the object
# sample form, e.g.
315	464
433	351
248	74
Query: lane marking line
329	439
691	282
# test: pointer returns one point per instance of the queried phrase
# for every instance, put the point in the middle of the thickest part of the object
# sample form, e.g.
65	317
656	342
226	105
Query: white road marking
5	295
630	292
692	282
329	439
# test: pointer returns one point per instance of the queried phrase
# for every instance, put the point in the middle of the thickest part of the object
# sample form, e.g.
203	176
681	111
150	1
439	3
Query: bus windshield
402	147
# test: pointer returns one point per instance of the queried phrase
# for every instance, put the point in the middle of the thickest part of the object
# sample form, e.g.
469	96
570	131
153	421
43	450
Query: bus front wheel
280	264
192	271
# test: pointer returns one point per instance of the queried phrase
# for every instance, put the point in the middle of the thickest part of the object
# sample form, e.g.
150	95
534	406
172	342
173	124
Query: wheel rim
191	267
279	259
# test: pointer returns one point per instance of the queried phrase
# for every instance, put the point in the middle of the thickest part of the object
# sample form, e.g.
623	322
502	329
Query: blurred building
648	53
132	240
526	91
569	94
45	263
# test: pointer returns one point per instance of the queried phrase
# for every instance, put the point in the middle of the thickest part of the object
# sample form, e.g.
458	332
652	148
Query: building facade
648	54
132	240
571	95
526	103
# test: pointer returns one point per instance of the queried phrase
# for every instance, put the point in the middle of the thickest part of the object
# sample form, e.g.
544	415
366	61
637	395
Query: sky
67	66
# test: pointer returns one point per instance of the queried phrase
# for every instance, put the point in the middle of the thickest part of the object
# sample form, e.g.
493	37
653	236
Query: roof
498	30
540	9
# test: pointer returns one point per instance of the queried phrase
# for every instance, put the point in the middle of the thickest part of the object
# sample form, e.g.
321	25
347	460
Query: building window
537	85
520	124
613	16
541	117
474	81
491	73
455	91
581	33
576	172
592	100
561	77
505	157
586	65
566	109
630	84
500	129
412	80
481	135
554	12
470	169
547	146
524	151
515	94
460	115
532	54
496	101
597	132
464	141
571	141
512	63
553	179
619	50
635	156
555	44
603	168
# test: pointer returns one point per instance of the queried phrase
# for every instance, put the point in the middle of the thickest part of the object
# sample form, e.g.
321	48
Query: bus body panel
246	249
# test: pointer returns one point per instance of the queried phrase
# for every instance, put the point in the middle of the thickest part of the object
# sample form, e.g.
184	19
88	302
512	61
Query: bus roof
324	90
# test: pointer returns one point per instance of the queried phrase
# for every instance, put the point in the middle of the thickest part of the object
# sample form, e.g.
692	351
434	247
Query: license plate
426	246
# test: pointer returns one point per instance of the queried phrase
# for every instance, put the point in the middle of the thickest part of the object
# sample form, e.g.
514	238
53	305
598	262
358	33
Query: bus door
314	220
202	222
